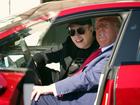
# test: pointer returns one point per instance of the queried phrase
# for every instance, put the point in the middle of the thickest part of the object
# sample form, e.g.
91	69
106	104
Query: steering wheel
28	59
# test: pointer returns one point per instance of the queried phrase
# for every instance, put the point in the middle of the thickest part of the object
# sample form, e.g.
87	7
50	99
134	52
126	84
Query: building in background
11	7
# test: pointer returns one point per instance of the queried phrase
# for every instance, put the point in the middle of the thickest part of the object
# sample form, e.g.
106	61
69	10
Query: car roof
72	6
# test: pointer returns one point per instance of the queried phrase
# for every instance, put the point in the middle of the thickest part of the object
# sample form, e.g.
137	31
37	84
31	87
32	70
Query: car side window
45	35
126	50
55	35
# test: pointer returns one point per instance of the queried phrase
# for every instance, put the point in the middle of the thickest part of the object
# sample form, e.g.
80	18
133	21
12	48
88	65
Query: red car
44	27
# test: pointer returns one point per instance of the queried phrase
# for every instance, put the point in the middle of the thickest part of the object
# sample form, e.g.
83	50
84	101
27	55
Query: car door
127	86
120	84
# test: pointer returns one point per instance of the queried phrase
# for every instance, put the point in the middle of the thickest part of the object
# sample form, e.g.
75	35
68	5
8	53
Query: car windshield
28	35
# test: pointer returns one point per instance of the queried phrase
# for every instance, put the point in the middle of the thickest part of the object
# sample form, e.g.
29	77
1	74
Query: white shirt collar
104	48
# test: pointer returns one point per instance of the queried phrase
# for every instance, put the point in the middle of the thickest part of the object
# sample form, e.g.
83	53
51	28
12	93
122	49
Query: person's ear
91	29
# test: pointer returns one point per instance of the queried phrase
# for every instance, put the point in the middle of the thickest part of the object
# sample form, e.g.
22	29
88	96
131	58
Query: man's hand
41	90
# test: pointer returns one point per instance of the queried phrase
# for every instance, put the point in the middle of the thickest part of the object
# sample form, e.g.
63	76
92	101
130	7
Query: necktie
89	59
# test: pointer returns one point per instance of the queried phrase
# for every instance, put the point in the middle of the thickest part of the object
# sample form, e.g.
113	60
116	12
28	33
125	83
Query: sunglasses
80	31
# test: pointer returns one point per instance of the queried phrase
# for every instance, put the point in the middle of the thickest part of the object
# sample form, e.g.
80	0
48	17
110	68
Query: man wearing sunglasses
81	89
80	43
81	33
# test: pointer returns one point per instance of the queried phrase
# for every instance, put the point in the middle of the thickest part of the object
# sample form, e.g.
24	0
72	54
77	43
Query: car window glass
128	43
36	32
56	35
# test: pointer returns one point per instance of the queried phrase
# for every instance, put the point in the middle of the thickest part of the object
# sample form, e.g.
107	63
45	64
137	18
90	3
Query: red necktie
89	59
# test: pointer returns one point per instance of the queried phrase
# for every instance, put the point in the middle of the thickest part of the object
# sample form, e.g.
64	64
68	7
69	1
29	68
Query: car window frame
128	34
